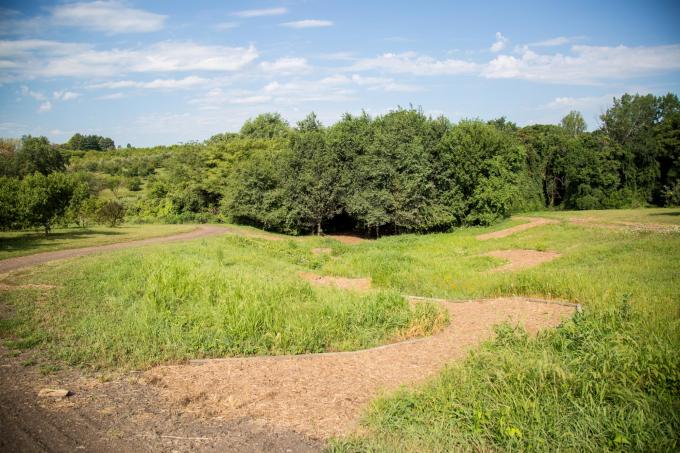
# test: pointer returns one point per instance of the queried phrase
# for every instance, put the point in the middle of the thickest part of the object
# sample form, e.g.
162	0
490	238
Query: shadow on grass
36	240
674	213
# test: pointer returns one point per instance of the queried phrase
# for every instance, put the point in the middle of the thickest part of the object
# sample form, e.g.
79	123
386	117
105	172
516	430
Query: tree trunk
47	229
318	228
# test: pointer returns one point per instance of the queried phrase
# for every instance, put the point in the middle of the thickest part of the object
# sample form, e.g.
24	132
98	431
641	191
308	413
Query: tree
44	199
36	154
311	177
482	166
112	213
266	125
10	214
574	123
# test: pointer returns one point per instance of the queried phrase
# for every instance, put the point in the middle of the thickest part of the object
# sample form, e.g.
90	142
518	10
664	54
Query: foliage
44	199
89	142
112	213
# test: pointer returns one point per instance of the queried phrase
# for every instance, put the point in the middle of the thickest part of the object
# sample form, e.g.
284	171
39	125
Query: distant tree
112	213
266	125
10	214
36	154
503	124
8	164
105	144
574	123
90	142
44	199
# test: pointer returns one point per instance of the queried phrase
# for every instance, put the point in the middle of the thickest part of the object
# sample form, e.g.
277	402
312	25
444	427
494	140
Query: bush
112	213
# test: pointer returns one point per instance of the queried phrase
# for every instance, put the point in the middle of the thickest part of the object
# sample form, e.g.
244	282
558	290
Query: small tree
36	154
44	199
574	123
112	213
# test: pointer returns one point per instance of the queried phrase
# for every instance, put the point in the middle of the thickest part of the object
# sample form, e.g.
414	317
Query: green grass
29	242
607	380
216	297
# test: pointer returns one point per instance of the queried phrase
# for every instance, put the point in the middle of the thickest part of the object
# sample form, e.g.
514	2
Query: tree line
398	172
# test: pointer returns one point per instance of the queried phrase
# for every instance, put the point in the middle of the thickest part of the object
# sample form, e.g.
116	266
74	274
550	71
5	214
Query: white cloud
554	42
586	65
500	43
112	96
580	103
261	12
38	58
64	95
56	132
285	66
187	82
308	23
256	99
45	107
412	63
222	26
37	95
107	16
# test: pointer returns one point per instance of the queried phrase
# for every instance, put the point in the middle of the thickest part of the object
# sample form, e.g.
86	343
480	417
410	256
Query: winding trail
19	262
533	222
323	395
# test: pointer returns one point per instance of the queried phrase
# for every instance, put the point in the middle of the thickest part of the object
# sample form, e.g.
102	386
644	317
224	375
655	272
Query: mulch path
323	395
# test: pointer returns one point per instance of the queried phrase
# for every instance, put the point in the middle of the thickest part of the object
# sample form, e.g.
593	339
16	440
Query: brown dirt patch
6	287
322	251
533	222
123	414
347	238
353	284
621	225
19	262
521	259
323	395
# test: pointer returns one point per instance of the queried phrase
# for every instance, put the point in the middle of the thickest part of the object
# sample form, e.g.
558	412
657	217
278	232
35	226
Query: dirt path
521	259
620	225
533	222
323	395
19	262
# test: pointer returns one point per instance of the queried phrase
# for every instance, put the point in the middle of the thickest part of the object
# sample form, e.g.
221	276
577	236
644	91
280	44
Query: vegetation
607	380
396	173
221	296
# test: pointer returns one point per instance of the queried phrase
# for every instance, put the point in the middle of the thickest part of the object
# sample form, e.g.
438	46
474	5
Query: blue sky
162	72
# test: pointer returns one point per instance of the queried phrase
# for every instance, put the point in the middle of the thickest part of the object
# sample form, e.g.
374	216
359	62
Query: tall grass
608	380
222	297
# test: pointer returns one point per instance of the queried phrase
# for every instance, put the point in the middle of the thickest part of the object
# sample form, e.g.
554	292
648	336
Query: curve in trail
323	395
19	262
533	222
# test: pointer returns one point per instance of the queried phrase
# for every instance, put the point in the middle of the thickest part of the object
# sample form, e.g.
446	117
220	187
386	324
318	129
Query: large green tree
44	199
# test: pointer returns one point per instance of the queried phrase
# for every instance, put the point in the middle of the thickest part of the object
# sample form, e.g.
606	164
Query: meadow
609	379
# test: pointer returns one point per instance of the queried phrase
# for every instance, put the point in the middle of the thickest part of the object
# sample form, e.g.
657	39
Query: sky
171	71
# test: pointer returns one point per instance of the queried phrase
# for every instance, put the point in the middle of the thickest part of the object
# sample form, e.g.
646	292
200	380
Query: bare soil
621	225
322	251
347	238
122	414
521	259
353	284
323	395
533	222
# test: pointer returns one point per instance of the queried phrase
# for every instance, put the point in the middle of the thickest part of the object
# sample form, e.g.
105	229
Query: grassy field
607	380
29	242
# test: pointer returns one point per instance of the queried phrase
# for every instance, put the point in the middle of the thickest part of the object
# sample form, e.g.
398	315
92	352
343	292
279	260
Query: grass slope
608	380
